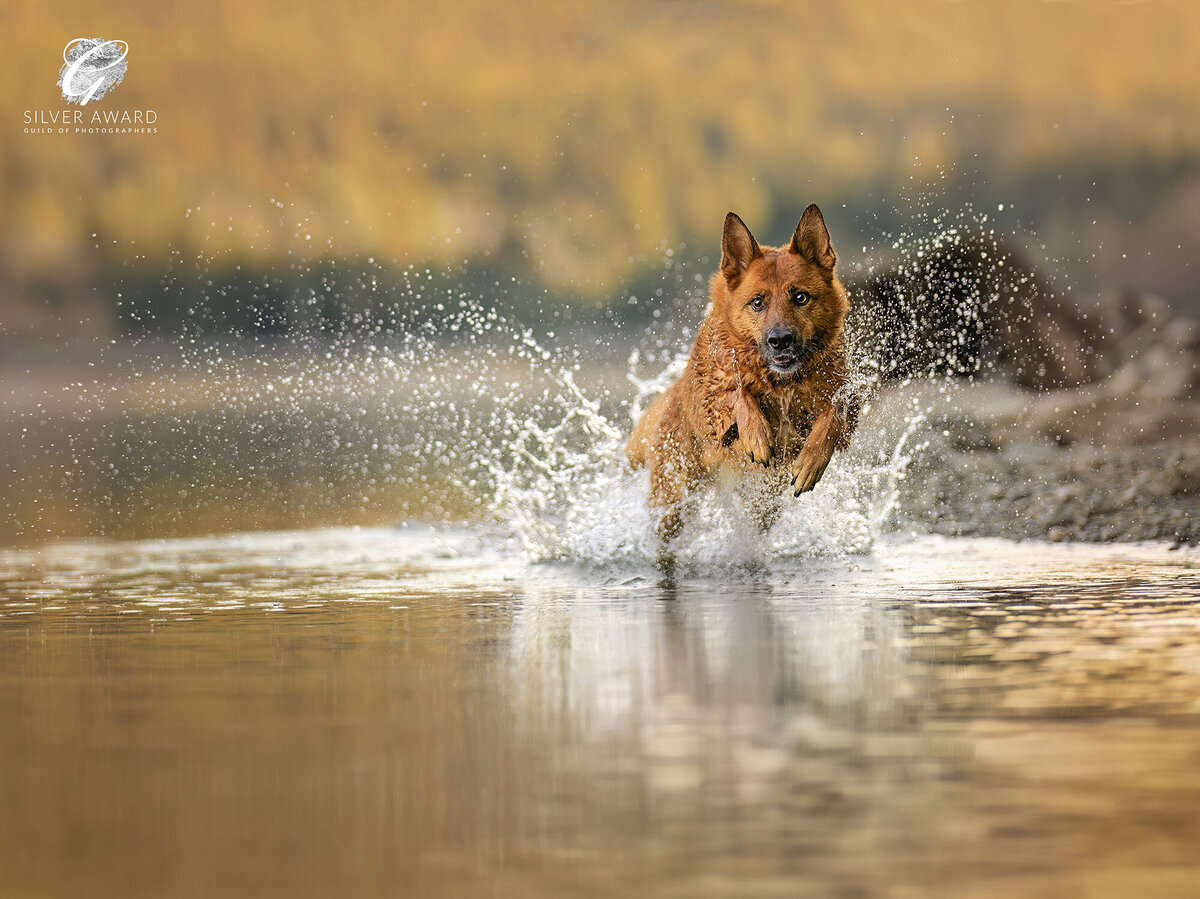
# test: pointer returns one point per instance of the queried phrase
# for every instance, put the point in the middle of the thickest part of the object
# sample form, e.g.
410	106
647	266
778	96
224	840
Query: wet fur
730	409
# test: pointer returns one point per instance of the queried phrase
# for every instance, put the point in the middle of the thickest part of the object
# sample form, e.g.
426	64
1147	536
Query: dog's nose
780	338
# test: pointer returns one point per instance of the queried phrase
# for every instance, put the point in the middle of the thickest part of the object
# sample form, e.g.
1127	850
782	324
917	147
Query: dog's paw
756	453
754	434
758	447
810	465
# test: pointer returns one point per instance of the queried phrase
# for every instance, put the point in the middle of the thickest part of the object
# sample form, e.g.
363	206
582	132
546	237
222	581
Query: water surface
414	712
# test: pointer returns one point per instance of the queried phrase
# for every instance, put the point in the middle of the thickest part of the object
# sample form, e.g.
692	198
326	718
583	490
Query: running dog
767	382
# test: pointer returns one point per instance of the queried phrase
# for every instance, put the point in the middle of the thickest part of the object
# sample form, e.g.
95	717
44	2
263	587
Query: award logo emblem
91	68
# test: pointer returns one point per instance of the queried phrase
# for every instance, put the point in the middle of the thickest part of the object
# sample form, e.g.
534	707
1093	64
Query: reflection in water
413	713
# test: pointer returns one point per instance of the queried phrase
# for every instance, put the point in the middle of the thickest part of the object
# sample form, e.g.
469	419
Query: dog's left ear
811	239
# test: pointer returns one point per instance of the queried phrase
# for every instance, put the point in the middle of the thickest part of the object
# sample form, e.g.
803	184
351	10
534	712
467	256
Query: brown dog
767	381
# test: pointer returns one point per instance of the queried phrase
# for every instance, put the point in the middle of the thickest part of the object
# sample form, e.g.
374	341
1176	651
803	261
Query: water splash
565	489
416	396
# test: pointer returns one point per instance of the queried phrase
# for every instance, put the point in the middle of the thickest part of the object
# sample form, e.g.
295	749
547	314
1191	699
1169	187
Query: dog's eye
758	303
799	297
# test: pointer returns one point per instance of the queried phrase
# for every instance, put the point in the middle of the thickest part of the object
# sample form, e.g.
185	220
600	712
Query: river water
424	711
500	696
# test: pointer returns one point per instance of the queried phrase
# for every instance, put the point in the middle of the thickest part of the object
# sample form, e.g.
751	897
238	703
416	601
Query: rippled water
420	712
517	706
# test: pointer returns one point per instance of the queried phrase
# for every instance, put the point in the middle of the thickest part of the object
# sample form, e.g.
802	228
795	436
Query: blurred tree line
567	144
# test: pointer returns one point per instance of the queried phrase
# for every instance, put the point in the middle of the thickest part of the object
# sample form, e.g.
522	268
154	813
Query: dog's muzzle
781	350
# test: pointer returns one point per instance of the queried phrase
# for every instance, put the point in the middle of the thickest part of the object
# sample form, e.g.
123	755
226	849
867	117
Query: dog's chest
790	419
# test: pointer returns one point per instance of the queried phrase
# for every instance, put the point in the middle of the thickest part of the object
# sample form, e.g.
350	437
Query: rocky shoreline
1043	491
1044	418
1113	459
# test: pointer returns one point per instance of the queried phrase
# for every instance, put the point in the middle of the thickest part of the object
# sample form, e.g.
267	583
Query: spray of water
429	401
561	483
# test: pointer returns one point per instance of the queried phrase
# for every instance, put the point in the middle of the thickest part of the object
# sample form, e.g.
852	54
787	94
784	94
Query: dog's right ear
738	249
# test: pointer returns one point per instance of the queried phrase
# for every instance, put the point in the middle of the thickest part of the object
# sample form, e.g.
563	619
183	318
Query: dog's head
786	301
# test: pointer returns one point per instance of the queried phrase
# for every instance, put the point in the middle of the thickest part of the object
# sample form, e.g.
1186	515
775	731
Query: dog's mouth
783	363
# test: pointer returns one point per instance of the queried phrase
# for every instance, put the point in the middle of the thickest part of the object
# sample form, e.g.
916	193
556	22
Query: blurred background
570	144
561	159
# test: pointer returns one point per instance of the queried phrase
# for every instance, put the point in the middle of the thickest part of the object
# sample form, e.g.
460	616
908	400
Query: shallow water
419	712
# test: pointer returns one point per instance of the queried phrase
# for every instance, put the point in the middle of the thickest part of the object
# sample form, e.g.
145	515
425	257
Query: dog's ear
738	249
811	239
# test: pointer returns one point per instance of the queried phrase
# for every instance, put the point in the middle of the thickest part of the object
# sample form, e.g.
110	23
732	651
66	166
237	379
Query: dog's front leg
730	417
754	434
670	482
830	431
815	454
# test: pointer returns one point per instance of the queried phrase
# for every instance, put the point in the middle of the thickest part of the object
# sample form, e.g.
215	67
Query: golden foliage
571	140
